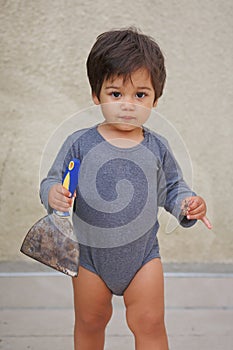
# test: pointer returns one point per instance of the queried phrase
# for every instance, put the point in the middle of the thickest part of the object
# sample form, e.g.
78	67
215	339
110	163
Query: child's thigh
145	295
91	295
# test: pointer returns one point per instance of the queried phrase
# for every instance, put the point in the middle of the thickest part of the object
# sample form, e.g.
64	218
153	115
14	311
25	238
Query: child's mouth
127	118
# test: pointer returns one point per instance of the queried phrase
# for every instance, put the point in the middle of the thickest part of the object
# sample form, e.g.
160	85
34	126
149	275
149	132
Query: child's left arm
195	209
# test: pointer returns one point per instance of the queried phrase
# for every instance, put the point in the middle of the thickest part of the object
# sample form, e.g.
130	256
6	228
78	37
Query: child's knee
145	322
93	321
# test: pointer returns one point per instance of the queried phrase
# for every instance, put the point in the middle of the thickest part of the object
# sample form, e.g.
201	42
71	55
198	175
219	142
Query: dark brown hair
122	52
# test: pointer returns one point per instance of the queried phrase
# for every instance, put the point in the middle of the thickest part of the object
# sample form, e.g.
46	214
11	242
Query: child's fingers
62	194
59	198
195	202
63	191
60	202
206	222
191	203
61	206
198	216
196	209
201	216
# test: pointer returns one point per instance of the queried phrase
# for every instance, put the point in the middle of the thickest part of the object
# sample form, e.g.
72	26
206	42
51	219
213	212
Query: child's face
127	104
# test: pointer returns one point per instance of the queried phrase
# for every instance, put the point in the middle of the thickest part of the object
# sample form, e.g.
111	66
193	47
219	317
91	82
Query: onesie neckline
123	149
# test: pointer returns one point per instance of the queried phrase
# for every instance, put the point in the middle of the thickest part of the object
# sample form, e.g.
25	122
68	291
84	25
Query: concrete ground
37	311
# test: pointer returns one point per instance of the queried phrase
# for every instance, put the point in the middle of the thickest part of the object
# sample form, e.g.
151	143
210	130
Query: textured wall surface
44	45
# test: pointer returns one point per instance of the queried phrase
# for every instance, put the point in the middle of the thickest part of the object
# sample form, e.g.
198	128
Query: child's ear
155	103
95	99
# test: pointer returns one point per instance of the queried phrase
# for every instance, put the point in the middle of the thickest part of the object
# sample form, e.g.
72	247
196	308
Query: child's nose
127	104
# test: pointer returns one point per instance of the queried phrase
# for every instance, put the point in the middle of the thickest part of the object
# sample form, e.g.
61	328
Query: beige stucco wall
44	45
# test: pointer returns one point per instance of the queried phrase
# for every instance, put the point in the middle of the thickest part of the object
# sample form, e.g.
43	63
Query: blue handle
70	178
70	181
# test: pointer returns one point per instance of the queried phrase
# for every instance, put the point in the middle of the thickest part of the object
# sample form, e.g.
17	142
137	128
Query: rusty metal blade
52	242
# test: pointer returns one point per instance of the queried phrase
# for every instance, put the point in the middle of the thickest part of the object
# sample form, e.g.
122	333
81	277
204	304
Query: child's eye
140	94
116	94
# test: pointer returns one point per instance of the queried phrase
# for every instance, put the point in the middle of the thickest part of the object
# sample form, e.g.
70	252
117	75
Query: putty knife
51	240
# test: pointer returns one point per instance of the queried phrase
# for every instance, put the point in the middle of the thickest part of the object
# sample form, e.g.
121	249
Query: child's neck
121	137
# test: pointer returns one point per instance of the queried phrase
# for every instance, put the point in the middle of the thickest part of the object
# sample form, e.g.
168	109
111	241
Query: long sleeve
57	170
172	188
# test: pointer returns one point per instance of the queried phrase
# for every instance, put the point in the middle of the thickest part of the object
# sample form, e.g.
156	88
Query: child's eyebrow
138	87
144	88
112	87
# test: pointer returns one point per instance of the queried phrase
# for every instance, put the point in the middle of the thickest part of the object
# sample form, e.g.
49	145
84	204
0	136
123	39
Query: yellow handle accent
66	181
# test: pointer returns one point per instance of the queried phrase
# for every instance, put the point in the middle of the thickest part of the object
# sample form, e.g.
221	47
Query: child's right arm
53	195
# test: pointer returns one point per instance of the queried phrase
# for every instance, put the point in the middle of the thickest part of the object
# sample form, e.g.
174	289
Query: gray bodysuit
118	195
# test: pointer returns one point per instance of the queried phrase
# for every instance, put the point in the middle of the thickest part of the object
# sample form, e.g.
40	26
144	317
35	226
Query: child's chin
126	126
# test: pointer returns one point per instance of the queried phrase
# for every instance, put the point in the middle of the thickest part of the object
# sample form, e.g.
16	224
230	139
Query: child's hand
59	198
195	208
